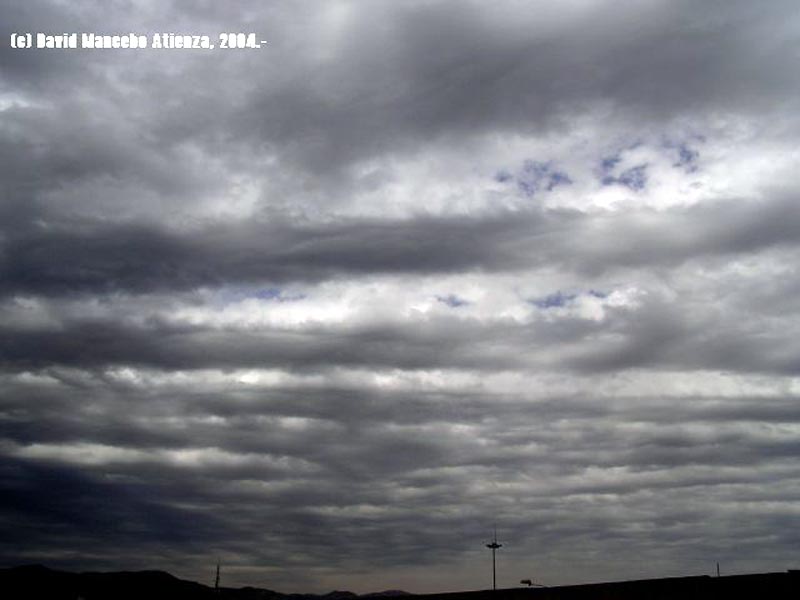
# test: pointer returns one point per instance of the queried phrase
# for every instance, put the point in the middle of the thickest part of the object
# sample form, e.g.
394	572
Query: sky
330	310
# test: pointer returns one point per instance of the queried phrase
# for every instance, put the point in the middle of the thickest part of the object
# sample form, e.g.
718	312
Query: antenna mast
216	579
494	546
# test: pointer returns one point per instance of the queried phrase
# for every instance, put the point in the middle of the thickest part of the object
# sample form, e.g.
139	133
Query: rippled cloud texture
330	310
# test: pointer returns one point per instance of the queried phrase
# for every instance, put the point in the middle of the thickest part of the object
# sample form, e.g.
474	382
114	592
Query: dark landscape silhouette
37	581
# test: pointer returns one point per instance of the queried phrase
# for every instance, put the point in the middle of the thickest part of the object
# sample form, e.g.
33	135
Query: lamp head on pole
494	545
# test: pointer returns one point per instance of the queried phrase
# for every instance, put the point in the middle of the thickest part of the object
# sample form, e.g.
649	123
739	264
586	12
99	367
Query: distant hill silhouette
764	586
36	581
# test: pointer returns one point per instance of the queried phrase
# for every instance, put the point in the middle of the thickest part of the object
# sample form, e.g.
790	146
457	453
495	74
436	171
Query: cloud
83	256
331	309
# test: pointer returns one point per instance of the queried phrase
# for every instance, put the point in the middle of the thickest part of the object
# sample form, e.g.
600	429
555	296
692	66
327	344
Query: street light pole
494	546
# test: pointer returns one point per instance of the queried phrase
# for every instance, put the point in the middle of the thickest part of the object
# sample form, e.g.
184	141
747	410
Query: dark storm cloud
55	502
377	466
86	257
98	344
141	258
398	76
655	335
648	424
407	75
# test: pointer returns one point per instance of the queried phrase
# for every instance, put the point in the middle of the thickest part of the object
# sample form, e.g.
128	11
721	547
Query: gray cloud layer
330	309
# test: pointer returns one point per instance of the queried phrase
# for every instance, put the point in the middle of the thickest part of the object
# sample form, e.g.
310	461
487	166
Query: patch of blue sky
634	178
452	300
607	166
275	294
687	158
283	296
608	163
558	178
534	177
553	300
503	176
268	293
559	298
685	152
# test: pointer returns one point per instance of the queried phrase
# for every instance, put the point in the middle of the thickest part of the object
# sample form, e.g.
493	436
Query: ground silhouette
37	581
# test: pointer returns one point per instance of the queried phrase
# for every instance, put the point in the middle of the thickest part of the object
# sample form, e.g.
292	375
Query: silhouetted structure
767	586
216	579
494	546
41	582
